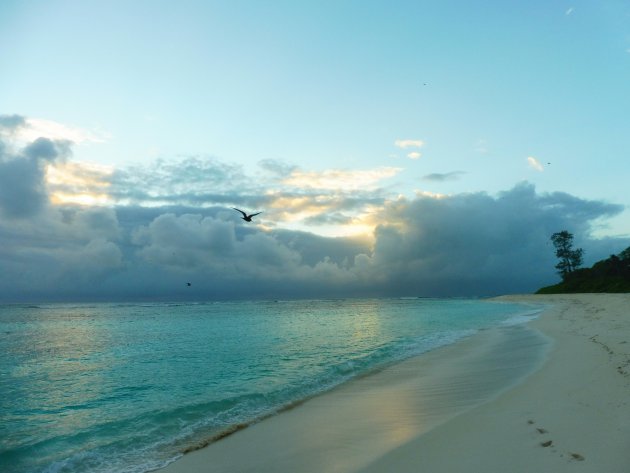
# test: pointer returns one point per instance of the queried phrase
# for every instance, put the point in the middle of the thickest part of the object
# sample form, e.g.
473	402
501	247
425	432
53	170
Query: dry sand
469	407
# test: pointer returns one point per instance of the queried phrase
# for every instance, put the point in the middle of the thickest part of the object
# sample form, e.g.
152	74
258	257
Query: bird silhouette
188	284
247	218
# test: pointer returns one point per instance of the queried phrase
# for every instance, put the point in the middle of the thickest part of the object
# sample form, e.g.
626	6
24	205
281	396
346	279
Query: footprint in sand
549	443
577	456
541	431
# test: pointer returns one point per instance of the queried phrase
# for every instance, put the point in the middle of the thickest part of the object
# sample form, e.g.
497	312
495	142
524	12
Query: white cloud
340	178
535	164
414	155
38	128
404	144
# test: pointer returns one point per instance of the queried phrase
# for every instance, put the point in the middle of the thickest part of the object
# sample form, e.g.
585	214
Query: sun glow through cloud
79	183
323	214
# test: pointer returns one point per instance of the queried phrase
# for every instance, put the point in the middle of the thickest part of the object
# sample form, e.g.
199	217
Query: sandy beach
551	396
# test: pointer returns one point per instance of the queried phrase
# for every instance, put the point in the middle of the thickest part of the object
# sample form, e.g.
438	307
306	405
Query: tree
570	259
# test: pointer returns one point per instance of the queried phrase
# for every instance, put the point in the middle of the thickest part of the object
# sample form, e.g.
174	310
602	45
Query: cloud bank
154	238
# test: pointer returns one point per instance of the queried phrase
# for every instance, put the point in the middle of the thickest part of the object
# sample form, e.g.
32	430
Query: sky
394	148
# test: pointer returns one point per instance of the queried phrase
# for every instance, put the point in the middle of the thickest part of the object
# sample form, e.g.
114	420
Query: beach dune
552	396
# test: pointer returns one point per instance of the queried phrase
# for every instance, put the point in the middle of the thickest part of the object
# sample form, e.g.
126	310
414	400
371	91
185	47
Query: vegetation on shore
609	275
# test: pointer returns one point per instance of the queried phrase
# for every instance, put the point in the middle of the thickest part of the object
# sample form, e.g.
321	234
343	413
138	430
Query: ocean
127	388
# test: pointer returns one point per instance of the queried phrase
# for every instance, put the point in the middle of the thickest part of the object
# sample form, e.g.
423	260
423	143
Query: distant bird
188	284
247	218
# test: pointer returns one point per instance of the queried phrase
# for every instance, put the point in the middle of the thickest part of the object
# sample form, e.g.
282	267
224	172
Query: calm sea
128	387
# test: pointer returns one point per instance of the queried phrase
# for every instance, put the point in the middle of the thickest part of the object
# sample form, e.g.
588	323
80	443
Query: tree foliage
609	275
570	259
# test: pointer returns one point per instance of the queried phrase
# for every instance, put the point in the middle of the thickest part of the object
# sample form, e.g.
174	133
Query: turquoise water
128	387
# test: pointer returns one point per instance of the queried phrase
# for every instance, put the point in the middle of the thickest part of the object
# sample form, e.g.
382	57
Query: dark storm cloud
23	192
59	253
479	244
48	249
314	248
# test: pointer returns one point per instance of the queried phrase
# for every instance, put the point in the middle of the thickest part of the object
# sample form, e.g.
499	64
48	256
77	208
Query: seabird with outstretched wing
247	218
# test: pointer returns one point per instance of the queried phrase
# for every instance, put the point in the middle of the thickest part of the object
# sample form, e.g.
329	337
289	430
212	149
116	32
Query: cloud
434	245
39	128
467	243
535	164
442	177
404	144
68	253
287	193
79	183
276	167
191	180
11	122
35	172
453	245
339	178
23	192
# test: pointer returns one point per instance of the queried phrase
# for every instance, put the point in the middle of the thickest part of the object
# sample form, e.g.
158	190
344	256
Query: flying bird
188	284
247	218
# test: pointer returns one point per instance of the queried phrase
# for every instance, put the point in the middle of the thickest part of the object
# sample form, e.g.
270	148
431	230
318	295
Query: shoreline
353	425
572	415
569	410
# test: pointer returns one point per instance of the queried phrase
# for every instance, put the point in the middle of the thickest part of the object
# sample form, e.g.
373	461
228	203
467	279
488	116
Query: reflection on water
58	368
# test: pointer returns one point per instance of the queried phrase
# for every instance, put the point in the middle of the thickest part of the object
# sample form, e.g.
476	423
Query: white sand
413	417
580	401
